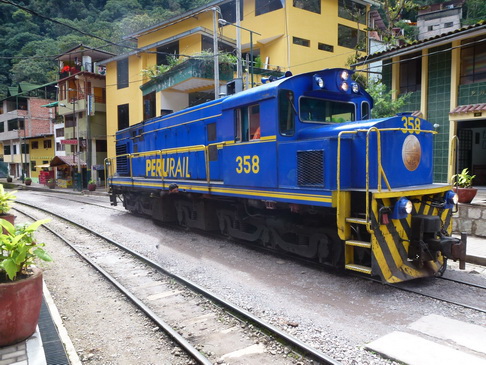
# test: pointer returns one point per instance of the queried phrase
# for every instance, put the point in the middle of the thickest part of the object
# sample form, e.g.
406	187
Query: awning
51	105
66	160
44	166
471	108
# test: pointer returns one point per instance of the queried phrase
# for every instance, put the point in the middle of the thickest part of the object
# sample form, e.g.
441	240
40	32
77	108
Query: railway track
207	327
462	294
424	287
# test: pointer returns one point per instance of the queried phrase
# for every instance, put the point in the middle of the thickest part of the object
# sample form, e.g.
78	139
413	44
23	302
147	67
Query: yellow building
41	151
278	35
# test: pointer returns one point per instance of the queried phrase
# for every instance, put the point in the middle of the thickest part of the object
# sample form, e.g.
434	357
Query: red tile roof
469	108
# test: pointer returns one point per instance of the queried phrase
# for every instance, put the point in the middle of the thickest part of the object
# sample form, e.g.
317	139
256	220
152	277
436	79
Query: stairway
351	244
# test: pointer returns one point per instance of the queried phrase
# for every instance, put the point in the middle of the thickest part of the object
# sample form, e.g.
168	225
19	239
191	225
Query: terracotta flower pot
20	304
91	187
465	195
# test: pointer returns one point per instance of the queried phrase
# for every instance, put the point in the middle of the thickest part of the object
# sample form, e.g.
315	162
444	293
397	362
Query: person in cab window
255	122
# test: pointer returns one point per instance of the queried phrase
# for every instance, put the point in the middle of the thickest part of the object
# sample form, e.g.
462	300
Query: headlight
320	82
355	88
344	75
402	208
344	86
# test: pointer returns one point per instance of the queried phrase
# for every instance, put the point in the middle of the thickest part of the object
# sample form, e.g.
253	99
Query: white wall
174	101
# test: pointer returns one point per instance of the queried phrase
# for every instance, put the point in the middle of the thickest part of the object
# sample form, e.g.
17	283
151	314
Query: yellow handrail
454	148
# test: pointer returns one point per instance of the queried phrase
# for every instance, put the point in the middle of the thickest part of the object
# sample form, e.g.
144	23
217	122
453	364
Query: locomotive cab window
286	112
247	123
365	111
325	111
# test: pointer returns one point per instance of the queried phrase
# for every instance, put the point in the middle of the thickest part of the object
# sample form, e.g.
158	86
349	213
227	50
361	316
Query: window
286	112
410	73
47	143
325	47
69	121
14	124
228	11
430	28
25	148
166	52
2	127
60	147
101	145
59	132
301	41
149	105
35	145
123	117
266	6
32	165
6	149
211	132
207	45
473	62
325	111
351	38
310	5
348	9
448	25
365	111
247	123
122	73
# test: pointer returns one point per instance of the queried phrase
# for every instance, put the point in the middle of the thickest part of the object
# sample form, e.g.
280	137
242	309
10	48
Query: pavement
43	347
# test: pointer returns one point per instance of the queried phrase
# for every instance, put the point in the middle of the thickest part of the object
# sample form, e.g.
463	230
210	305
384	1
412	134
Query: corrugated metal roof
444	37
471	108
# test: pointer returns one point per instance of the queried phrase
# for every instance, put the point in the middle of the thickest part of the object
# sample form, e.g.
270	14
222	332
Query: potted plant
6	200
28	181
20	282
463	186
91	185
51	183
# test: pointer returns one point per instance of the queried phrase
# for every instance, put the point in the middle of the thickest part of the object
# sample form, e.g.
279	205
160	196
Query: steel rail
191	350
395	286
239	312
463	282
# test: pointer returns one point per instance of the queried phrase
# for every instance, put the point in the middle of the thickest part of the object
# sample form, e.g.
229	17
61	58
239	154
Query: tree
391	11
384	105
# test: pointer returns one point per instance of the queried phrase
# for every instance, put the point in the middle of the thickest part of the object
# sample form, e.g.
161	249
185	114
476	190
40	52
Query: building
81	124
274	36
446	77
41	153
433	20
22	117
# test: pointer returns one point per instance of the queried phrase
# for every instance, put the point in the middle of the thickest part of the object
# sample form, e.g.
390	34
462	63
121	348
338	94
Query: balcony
191	75
99	105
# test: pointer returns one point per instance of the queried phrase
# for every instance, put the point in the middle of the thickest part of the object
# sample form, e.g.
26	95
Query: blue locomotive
298	165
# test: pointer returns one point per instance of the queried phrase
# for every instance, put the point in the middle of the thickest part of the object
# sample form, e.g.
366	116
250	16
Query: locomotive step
359	268
357	243
356	220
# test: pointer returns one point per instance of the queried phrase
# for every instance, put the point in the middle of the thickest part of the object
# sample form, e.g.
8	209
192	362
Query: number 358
248	164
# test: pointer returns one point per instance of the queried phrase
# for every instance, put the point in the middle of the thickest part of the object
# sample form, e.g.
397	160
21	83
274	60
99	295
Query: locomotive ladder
344	205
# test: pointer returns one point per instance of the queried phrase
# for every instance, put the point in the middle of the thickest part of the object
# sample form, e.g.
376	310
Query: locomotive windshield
325	111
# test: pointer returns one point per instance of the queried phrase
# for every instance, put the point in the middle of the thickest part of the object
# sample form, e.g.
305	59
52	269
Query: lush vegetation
34	32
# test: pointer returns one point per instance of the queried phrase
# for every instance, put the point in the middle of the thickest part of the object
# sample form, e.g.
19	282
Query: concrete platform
50	344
